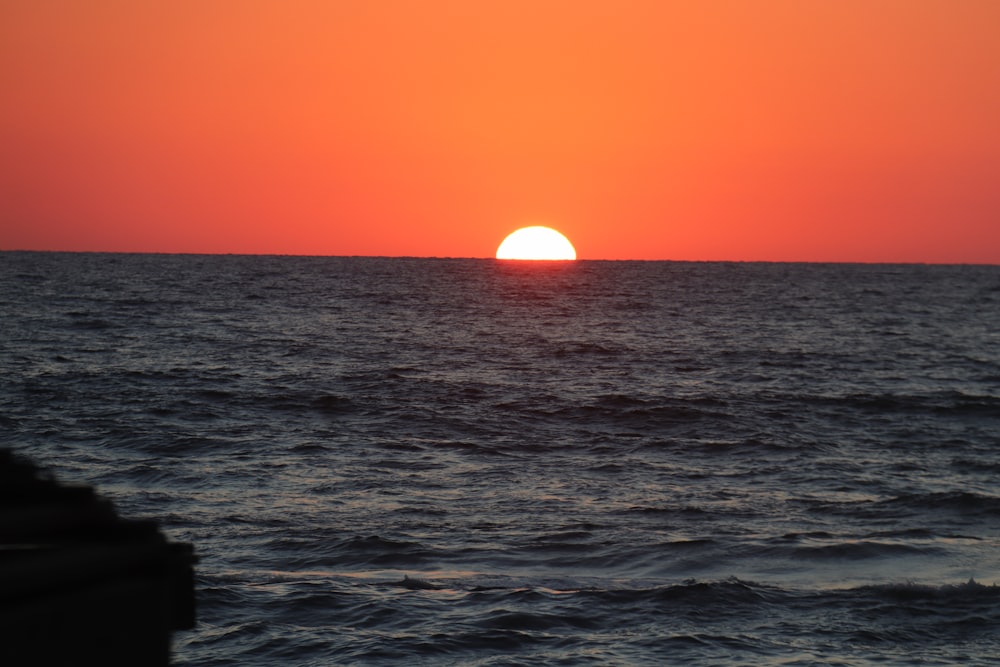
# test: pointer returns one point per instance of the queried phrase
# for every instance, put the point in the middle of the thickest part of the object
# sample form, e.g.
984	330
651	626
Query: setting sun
536	243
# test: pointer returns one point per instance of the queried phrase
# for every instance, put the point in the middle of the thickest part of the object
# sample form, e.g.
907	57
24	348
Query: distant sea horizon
490	257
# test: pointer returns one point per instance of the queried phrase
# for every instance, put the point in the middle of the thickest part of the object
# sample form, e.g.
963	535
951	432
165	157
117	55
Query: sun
536	243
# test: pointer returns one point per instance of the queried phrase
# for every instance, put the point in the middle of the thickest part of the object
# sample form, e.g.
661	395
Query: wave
967	504
456	618
585	349
367	551
971	465
858	550
280	399
641	414
956	403
964	502
85	321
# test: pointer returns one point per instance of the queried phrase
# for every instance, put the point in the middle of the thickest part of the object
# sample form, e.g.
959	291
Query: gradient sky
812	130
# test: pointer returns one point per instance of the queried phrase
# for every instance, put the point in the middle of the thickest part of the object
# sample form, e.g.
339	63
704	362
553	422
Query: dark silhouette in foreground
80	585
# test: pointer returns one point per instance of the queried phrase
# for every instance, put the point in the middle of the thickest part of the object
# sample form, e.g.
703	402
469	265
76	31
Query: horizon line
454	257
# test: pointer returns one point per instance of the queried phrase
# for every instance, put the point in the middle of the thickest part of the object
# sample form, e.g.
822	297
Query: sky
775	130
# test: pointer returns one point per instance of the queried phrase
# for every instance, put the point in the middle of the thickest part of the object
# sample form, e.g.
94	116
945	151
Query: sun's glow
536	243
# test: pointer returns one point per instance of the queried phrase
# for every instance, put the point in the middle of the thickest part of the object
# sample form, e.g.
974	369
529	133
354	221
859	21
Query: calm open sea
448	461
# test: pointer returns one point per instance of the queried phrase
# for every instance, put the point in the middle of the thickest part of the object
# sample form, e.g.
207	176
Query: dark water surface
419	461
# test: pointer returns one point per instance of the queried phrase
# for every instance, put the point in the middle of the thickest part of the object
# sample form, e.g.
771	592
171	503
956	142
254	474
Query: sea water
448	461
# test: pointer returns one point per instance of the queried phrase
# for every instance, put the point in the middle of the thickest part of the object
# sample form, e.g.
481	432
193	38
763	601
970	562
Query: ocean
401	461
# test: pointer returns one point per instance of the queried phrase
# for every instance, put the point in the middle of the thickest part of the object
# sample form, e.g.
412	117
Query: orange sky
820	130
